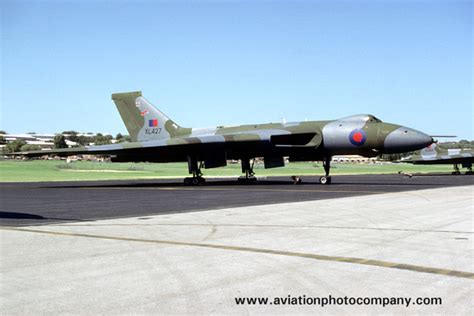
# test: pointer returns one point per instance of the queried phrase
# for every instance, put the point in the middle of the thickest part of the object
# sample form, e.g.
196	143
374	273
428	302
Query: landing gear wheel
456	173
325	180
247	180
194	181
296	180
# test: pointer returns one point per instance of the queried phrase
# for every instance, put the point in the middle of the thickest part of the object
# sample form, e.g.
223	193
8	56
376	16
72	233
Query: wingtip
443	136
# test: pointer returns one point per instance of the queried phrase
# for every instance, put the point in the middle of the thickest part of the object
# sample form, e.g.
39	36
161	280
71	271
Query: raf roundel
153	123
358	137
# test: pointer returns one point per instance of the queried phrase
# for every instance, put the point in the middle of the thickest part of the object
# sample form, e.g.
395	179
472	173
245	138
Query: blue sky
208	63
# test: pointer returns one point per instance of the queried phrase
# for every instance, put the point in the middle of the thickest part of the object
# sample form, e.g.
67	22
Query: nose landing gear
326	179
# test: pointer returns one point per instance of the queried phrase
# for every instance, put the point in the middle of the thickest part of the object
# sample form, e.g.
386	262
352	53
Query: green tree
60	141
3	132
3	141
463	143
71	135
460	144
29	147
102	140
13	146
122	138
84	140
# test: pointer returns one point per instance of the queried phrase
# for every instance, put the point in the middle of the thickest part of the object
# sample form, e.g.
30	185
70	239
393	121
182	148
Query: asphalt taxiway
44	203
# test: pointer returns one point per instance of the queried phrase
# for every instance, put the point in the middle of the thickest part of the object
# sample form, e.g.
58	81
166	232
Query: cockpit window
374	119
362	117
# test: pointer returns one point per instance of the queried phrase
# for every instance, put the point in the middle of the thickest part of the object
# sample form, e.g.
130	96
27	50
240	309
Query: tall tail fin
143	121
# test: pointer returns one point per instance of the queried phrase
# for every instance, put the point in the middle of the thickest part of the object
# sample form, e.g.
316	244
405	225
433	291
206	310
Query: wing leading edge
169	149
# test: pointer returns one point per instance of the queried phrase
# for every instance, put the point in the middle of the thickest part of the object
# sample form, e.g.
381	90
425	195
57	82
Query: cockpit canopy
361	118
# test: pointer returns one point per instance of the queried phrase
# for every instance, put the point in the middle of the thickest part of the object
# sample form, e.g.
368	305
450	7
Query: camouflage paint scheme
434	155
157	138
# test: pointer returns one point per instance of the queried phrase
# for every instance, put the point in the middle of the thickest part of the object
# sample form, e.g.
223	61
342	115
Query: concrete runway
410	244
24	204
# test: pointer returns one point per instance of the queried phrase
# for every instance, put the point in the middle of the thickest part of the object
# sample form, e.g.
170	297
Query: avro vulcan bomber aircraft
157	138
436	155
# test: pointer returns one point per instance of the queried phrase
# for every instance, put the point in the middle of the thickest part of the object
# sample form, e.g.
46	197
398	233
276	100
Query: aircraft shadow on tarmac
421	180
209	183
15	215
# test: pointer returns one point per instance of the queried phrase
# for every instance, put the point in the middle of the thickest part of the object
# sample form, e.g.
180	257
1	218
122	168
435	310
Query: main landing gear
326	179
194	168
469	169
247	168
456	170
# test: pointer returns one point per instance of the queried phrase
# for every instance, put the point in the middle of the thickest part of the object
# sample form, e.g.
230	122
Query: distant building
353	159
45	141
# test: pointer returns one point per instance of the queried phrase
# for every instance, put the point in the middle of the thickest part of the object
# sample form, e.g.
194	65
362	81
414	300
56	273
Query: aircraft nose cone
405	139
